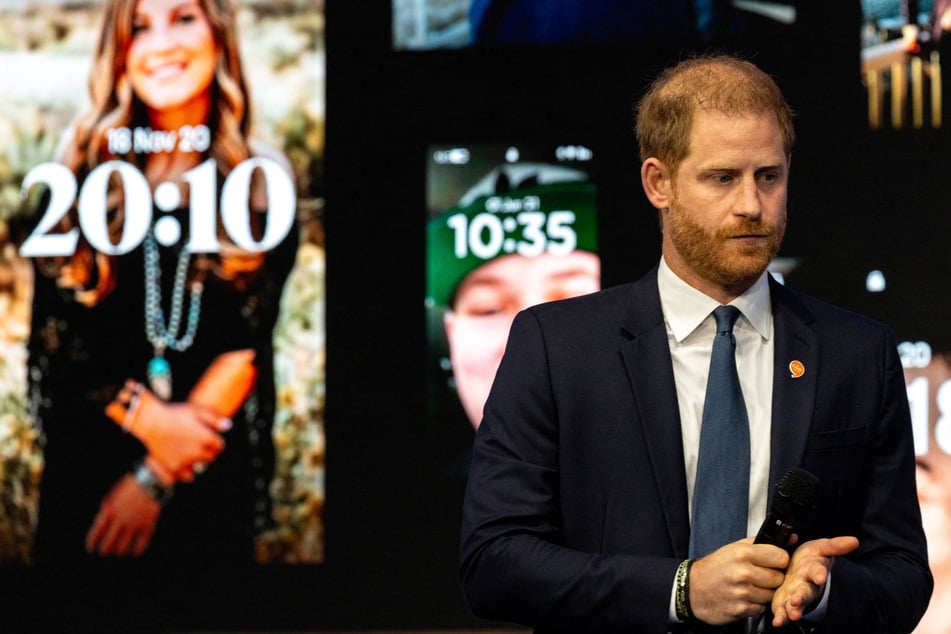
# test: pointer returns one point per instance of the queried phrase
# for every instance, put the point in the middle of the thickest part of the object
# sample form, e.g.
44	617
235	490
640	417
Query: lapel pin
796	369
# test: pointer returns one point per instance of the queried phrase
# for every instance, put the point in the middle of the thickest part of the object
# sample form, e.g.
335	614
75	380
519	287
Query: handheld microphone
794	496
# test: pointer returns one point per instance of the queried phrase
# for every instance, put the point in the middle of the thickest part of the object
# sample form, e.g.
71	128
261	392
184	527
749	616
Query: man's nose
749	201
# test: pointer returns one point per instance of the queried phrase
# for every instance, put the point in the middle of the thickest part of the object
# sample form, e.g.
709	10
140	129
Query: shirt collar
685	307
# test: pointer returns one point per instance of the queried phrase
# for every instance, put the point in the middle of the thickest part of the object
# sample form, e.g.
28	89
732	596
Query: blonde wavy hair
115	105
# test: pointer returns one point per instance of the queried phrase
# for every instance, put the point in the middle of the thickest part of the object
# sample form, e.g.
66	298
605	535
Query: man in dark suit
578	512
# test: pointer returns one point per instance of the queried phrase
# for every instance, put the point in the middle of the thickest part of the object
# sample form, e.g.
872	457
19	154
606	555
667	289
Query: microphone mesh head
796	491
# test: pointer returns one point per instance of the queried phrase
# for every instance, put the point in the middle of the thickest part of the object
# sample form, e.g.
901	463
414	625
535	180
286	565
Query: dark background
859	200
391	514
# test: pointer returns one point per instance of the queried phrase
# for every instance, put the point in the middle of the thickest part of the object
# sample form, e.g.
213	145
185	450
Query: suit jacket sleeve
868	490
515	566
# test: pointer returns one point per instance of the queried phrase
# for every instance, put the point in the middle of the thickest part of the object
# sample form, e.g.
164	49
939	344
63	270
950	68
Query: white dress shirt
691	328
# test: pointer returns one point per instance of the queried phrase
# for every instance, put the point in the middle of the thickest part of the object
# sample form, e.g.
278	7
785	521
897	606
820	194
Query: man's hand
736	581
807	575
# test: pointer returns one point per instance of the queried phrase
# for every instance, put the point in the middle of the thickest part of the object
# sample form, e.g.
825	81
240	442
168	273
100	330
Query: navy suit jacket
576	512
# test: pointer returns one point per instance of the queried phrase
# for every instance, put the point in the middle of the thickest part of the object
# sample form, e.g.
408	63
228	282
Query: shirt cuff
815	615
818	613
672	610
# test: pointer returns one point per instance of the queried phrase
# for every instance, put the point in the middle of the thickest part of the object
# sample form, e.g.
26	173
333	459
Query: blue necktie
721	490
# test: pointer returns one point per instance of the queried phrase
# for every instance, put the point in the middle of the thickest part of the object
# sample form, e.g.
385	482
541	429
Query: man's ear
656	179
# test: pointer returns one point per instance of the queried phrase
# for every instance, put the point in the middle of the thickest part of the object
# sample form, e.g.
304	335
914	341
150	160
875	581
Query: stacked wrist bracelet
682	591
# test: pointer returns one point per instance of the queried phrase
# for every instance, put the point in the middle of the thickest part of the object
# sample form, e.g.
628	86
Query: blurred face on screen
724	208
934	496
486	303
934	469
934	492
172	56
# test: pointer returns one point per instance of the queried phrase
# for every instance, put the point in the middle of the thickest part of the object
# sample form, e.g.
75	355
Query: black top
79	359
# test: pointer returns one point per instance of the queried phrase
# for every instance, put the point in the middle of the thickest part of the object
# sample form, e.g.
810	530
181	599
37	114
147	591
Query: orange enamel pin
796	369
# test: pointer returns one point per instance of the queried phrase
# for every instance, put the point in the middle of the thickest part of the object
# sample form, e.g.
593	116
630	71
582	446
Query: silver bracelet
153	487
682	590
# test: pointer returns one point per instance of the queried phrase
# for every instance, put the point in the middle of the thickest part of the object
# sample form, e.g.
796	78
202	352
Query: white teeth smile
164	71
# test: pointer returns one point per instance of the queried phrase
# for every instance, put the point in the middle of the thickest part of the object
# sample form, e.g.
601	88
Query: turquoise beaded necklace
162	337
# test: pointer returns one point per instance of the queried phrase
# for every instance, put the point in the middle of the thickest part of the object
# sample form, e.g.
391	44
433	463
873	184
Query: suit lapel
794	388
646	355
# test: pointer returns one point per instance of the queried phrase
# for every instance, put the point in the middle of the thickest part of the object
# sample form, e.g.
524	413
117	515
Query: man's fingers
768	578
842	546
779	616
834	546
769	556
789	609
817	574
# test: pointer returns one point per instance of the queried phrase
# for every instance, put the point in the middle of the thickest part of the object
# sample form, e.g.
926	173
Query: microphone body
793	497
776	529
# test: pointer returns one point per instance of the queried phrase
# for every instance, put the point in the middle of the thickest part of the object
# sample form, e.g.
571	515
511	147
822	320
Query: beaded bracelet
682	591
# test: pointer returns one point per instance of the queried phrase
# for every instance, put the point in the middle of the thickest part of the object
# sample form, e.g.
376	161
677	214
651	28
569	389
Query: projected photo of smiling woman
161	252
